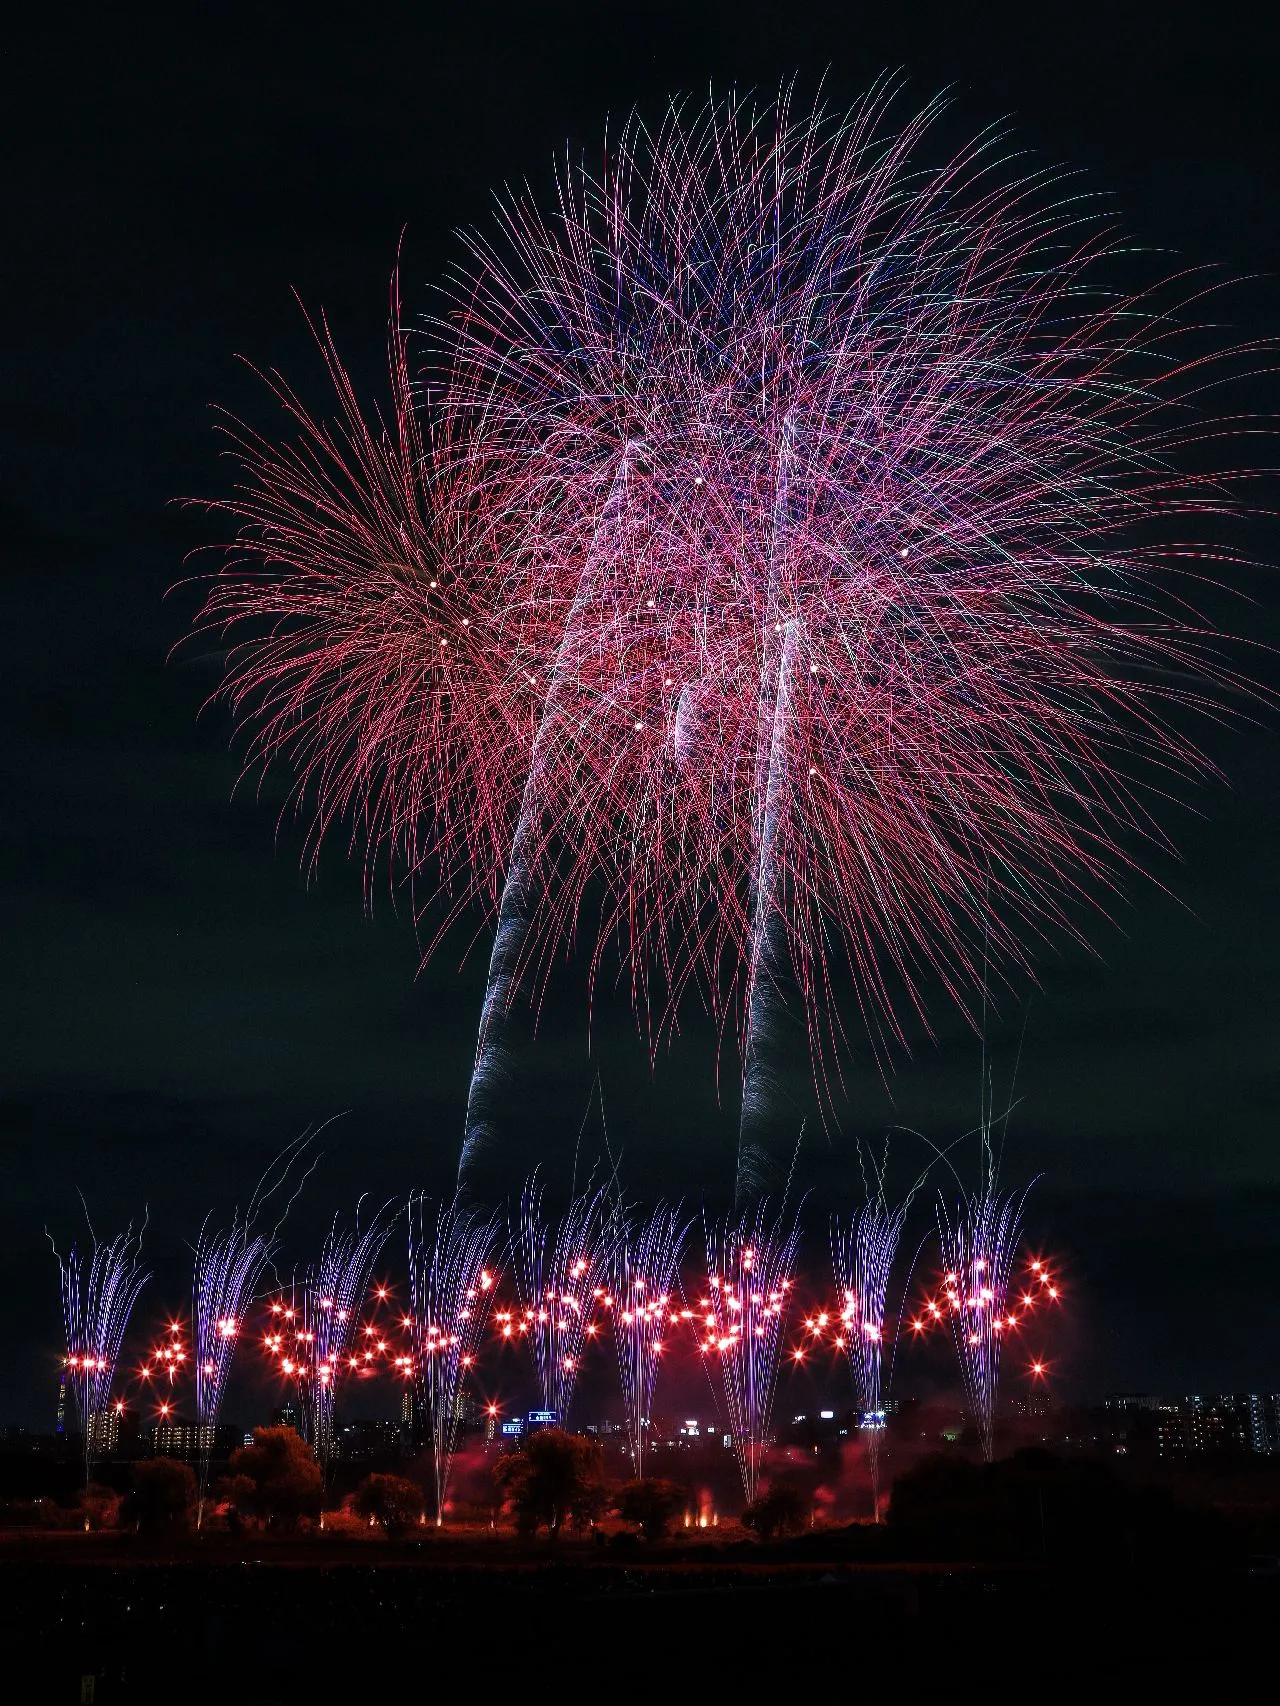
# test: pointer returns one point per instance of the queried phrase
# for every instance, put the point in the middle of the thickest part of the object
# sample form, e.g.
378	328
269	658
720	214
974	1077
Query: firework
519	901
229	1266
451	1287
97	1301
169	1357
979	1236
786	582
331	1296
646	1308
740	1321
862	1254
555	1265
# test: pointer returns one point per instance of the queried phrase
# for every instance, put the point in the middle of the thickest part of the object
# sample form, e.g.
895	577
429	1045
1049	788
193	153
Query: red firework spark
793	538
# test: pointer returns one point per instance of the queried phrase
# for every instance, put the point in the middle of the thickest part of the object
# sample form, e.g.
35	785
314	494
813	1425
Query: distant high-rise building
188	1441
1127	1401
1229	1422
104	1430
286	1416
364	1442
1033	1406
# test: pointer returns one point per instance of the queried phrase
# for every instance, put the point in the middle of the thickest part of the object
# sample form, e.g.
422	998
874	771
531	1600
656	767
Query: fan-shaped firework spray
451	1288
334	1289
979	1234
646	1299
787	581
97	1301
862	1254
740	1322
229	1266
555	1266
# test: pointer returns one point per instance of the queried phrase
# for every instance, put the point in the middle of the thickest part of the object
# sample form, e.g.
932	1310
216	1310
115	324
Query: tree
101	1505
389	1500
287	1483
235	1493
164	1496
650	1504
556	1477
780	1510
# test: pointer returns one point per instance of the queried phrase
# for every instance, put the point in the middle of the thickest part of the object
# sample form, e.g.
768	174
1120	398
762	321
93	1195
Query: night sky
179	999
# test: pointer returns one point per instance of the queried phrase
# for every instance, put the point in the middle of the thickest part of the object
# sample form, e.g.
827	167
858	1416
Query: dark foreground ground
278	1629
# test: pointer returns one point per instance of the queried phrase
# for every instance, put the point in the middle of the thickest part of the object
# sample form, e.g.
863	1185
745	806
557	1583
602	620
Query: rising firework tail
780	576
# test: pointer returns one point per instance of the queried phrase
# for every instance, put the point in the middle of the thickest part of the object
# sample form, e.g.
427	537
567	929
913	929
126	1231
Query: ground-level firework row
628	1286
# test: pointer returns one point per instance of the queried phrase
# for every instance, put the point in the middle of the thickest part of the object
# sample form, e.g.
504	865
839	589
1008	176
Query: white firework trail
98	1297
334	1288
556	1266
740	1320
229	1267
646	1309
451	1288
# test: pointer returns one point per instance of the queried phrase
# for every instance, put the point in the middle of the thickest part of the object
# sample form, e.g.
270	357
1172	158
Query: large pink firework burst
785	586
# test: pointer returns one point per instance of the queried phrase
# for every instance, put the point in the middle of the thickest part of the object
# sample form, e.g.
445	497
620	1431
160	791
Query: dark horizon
181	1000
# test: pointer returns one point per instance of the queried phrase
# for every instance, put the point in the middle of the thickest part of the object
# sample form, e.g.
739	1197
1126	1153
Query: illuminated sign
513	1427
542	1418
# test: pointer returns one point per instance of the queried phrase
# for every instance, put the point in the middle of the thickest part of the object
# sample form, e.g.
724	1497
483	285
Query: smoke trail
766	962
767	945
506	961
